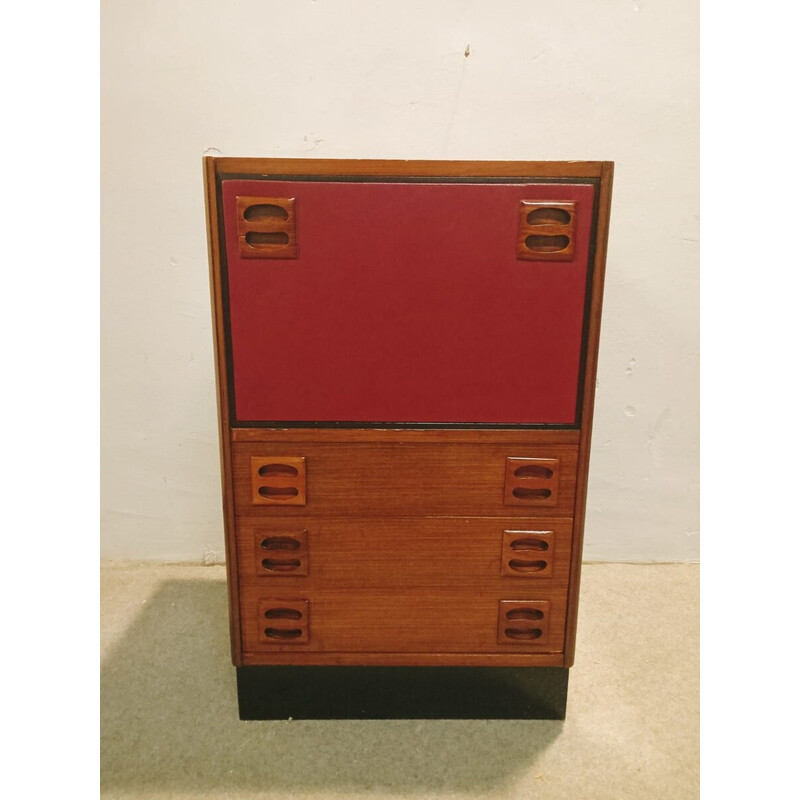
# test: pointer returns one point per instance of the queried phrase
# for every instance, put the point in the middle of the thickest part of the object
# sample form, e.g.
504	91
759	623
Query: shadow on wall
170	722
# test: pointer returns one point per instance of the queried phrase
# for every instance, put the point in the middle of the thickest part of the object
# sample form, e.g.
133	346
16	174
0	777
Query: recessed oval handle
523	633
278	492
265	211
533	471
544	244
523	493
283	613
280	543
525	613
520	565
549	216
277	469
280	633
262	237
280	564
528	544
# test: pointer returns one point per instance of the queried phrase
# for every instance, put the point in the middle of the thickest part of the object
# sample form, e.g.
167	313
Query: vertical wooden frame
223	404
595	301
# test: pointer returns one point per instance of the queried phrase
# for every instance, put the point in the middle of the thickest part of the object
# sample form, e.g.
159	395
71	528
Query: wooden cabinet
406	357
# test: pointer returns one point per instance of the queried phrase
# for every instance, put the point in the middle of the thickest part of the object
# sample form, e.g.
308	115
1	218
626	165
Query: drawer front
524	619
309	479
504	555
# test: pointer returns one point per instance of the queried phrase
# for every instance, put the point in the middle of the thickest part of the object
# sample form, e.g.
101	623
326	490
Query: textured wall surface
588	79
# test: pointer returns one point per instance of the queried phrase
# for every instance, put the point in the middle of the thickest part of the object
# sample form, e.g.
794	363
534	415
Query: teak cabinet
406	355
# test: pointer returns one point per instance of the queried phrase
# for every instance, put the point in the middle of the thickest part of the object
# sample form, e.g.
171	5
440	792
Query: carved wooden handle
527	554
281	554
523	621
531	481
287	621
266	227
546	231
278	481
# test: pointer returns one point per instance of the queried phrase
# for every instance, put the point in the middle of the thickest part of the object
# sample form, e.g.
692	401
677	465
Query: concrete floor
170	727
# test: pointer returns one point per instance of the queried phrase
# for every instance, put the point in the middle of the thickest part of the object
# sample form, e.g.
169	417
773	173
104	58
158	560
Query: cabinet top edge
260	167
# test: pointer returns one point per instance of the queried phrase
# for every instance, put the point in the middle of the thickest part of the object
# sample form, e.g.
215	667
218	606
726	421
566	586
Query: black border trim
234	422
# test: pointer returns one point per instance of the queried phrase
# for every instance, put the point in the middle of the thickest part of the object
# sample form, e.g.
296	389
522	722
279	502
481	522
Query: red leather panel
407	304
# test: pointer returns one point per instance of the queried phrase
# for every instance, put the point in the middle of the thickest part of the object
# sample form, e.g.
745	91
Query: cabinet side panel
221	366
590	377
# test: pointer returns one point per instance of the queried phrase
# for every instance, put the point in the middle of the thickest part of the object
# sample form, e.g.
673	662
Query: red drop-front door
405	302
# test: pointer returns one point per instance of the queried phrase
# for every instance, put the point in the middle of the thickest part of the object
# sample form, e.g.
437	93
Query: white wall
580	79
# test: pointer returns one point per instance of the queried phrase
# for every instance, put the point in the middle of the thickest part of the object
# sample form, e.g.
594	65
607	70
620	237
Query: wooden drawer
504	555
524	619
310	479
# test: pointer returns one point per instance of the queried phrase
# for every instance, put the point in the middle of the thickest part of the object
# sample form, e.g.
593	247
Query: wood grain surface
304	657
269	167
408	435
405	553
384	620
405	479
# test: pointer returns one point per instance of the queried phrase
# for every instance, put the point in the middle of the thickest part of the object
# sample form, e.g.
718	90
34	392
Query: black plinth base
402	692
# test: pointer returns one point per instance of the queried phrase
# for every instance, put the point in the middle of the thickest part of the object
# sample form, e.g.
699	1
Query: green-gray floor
170	727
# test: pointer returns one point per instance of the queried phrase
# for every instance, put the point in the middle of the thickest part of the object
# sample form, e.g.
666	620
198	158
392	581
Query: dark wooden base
313	692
